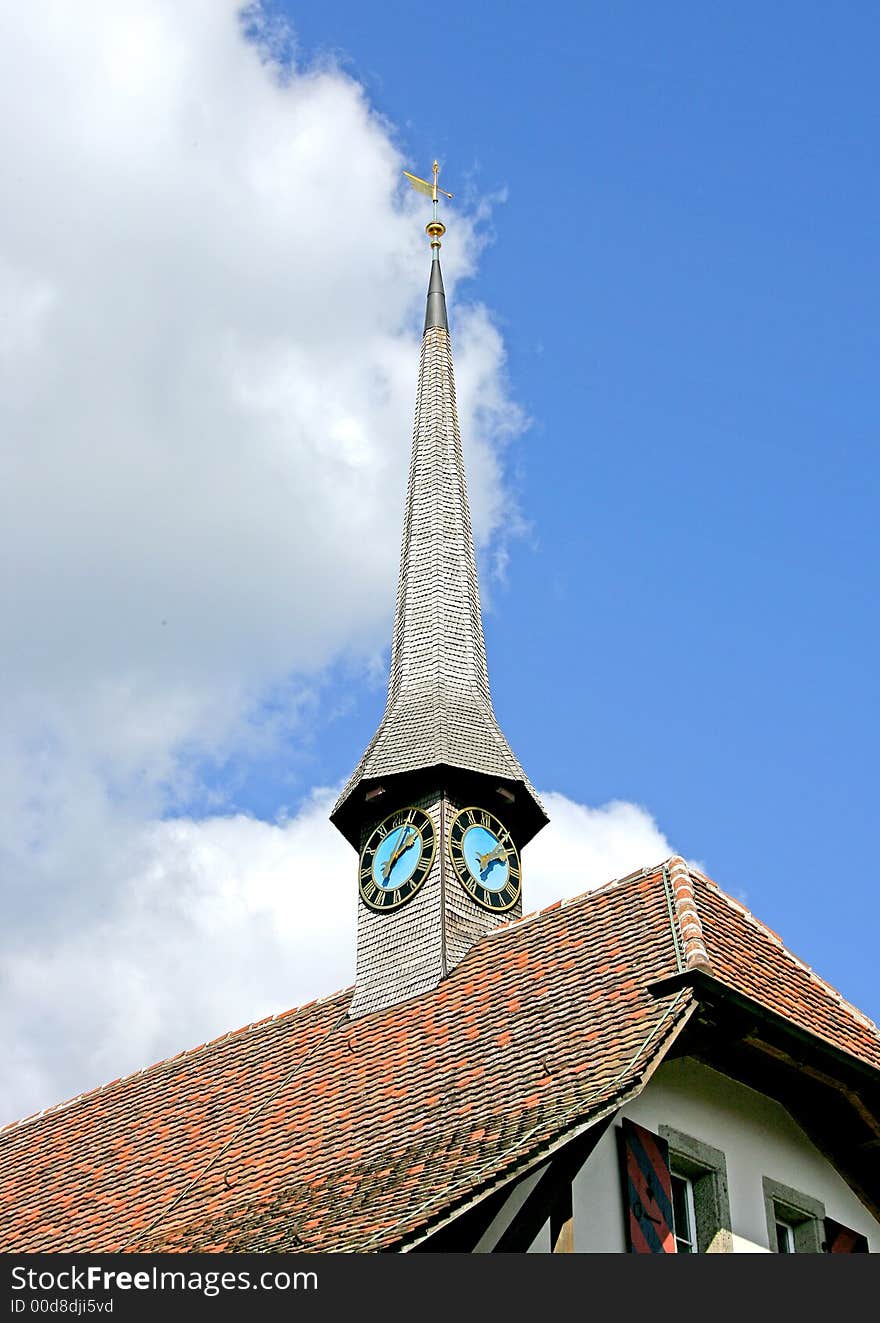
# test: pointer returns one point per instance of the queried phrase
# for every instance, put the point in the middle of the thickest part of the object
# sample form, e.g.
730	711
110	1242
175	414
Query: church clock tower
438	808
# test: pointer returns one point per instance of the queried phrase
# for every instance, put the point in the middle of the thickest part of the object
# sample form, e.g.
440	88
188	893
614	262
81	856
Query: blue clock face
485	858
396	859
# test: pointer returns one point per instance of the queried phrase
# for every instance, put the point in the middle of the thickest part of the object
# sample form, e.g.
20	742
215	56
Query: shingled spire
439	712
438	808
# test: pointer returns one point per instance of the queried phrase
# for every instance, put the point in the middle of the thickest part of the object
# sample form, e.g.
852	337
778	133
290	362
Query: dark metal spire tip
435	314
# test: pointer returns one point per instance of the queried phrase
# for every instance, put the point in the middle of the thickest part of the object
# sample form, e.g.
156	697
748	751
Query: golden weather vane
435	228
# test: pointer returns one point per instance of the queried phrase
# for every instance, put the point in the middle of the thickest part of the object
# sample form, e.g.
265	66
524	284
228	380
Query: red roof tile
310	1131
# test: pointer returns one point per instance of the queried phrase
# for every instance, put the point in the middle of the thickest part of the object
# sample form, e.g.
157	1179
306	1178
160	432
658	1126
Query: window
795	1221
683	1220
700	1202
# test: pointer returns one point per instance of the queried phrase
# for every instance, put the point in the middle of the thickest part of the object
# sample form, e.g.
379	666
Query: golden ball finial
435	230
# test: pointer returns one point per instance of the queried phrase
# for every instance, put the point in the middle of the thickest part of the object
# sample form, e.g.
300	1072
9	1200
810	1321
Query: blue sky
685	271
662	277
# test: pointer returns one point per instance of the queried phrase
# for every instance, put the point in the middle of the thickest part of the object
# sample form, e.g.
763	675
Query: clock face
485	858
396	859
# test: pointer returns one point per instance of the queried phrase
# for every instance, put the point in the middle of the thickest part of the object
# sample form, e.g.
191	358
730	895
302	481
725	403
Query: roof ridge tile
687	915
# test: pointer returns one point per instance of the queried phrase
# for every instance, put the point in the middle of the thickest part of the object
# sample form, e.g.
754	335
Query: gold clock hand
397	852
405	843
498	853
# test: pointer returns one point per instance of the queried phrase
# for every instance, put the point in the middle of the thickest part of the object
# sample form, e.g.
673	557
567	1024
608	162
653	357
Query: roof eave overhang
713	991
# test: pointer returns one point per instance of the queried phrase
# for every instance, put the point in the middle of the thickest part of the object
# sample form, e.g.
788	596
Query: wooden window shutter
647	1190
841	1240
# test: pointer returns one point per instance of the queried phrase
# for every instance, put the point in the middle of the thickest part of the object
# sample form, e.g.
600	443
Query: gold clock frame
473	888
399	813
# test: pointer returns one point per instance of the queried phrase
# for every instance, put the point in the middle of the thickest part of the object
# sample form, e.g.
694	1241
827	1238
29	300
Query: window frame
804	1215
705	1168
691	1238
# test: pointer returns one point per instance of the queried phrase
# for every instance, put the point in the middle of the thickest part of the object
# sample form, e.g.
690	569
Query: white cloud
210	285
209	291
216	923
583	847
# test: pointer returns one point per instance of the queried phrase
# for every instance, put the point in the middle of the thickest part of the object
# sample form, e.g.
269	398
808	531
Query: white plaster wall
758	1138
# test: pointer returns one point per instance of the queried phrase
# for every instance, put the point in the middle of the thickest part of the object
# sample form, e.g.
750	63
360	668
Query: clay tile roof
310	1131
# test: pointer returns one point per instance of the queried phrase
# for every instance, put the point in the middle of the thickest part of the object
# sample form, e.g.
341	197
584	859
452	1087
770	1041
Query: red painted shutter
841	1240
647	1190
